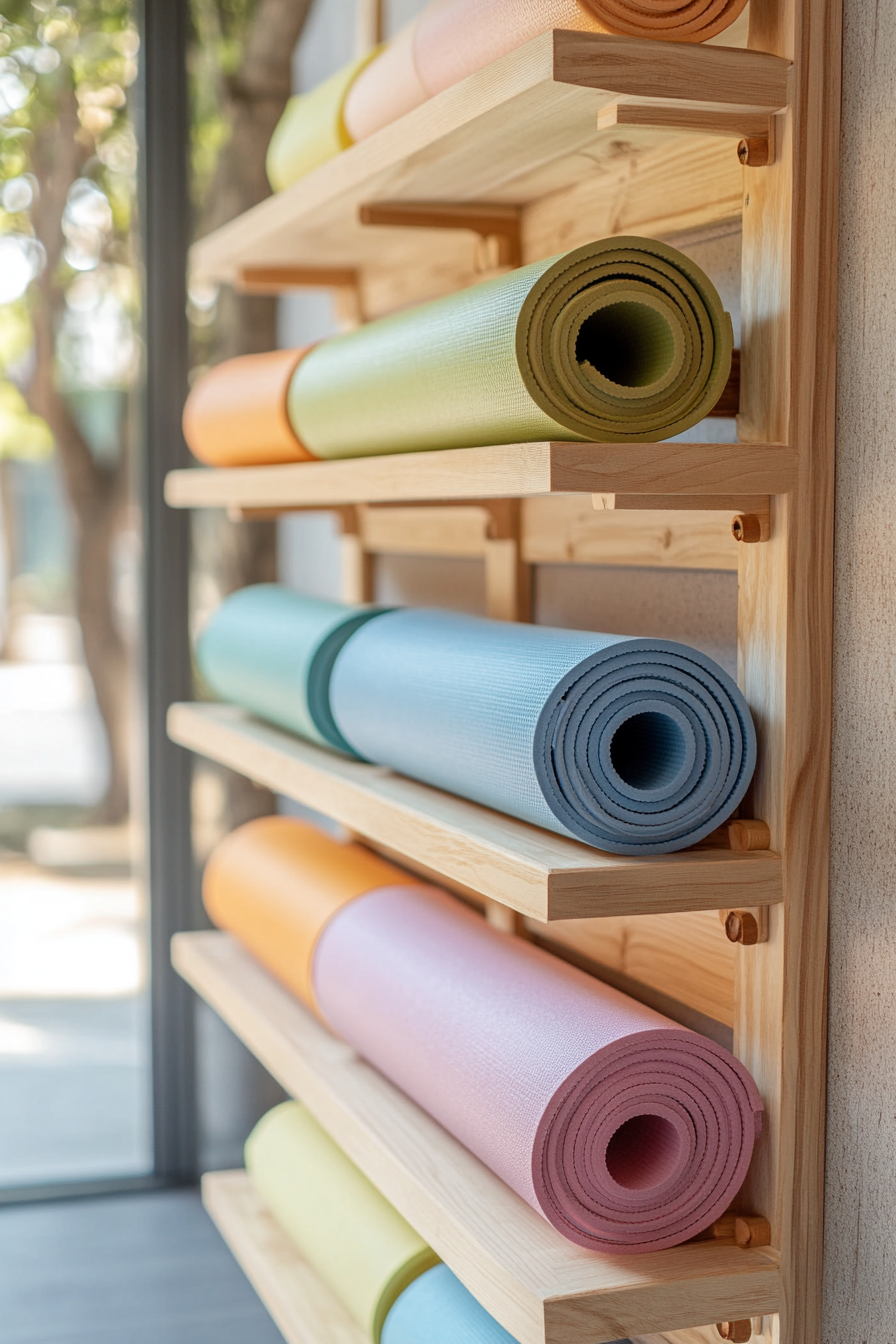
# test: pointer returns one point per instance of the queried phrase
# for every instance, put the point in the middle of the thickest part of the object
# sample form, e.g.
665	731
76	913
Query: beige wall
860	1277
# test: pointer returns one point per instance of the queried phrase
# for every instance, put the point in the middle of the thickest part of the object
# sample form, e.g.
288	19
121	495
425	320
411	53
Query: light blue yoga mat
437	1309
271	650
635	746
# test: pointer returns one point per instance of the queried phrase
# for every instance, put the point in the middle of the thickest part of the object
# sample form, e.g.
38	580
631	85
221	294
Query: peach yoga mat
452	39
235	415
627	1132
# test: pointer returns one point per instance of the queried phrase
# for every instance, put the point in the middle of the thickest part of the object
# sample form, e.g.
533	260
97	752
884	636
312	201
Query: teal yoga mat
272	650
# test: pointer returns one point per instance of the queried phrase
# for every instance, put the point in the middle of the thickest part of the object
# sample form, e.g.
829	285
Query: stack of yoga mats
635	746
382	1272
448	41
625	1131
621	340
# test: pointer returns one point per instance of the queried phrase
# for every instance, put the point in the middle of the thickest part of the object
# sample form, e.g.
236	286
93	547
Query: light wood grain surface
524	867
543	1289
301	1304
494	472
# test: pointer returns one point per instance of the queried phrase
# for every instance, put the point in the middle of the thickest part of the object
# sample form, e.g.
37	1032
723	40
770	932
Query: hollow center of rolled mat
648	751
644	1152
630	343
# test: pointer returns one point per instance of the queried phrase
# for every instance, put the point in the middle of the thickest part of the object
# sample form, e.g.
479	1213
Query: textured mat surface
363	1250
627	1132
623	1129
635	746
271	650
621	339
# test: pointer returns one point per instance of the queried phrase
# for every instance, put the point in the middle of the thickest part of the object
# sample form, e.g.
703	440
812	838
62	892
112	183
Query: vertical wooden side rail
788	312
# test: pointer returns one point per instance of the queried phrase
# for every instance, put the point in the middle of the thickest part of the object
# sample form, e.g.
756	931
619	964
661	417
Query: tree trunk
97	493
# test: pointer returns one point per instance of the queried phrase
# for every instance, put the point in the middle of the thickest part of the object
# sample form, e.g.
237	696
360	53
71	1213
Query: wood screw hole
746	527
753	152
738	1332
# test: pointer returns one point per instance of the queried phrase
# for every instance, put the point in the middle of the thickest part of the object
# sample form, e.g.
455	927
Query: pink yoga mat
627	1132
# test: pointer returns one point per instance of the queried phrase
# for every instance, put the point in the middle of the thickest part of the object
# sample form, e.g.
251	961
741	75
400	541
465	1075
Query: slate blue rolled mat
438	1309
271	650
636	746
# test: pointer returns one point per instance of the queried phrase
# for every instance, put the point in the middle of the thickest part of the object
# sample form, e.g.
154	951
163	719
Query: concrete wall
860	1274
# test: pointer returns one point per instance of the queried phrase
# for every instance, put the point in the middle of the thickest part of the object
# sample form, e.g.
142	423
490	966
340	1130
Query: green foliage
48	53
22	435
220	28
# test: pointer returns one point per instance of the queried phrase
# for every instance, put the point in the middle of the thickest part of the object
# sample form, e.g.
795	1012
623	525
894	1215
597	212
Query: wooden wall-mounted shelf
500	471
541	1288
522	132
526	868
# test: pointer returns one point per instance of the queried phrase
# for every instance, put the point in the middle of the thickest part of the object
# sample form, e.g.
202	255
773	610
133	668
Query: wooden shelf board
543	1289
541	875
518	131
495	472
303	1307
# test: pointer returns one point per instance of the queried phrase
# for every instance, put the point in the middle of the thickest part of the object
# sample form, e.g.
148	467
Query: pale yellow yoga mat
312	128
623	339
360	1246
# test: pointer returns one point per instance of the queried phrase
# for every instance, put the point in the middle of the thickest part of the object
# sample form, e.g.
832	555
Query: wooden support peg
276	279
737	1332
746	527
504	919
753	151
747	927
752	1230
749	833
498	223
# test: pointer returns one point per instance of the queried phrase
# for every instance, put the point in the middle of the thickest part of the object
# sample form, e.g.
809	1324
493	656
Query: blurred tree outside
70	300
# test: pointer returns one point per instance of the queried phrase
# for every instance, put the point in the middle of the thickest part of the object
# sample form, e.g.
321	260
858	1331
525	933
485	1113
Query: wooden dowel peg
737	1332
752	1230
746	527
747	927
749	833
504	919
754	152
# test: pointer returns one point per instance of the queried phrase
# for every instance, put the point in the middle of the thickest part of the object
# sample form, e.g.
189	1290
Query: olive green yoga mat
620	340
360	1246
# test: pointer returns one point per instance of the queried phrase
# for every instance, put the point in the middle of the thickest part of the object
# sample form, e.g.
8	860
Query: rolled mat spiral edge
361	1247
634	746
620	340
624	1130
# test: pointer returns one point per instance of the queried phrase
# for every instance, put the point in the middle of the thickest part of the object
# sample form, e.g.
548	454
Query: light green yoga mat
360	1246
620	340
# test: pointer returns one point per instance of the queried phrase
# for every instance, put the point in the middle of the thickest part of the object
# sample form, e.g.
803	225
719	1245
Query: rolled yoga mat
448	41
452	39
620	340
271	650
636	746
625	1131
312	128
437	1309
359	1245
235	415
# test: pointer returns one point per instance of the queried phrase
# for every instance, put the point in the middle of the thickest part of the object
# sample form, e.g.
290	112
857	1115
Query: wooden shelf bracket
498	226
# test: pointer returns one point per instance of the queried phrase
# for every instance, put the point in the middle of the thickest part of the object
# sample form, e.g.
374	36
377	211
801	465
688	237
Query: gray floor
130	1269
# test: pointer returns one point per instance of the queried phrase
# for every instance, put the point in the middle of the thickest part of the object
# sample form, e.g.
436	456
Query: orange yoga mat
249	888
235	415
452	39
